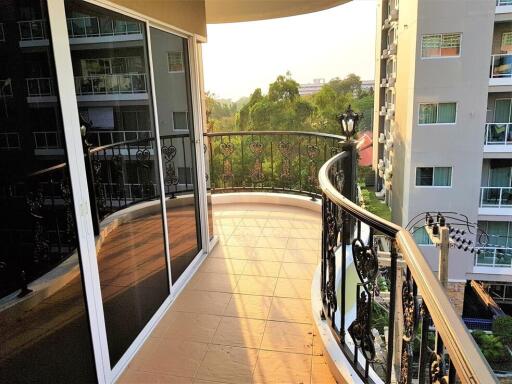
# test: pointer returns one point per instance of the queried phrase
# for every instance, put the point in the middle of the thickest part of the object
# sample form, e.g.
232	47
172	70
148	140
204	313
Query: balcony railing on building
9	141
32	29
5	88
92	26
124	83
501	66
503	2
496	197
495	257
40	86
498	134
2	33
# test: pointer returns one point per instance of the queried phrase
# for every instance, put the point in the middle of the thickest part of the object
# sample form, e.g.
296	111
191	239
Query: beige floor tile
252	222
247	231
242	241
266	254
288	337
188	326
306	244
140	377
227	364
318	345
271	242
262	268
294	288
280	367
213	303
294	310
172	357
297	271
239	332
278	223
216	265
302	256
275	232
302	233
305	224
256	285
227	221
232	252
217	282
320	373
226	230
250	306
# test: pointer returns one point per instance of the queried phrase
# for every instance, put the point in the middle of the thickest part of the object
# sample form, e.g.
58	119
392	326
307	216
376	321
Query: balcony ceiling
232	11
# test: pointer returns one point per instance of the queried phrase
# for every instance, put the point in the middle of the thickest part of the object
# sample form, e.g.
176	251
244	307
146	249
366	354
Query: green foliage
502	327
492	347
380	318
374	205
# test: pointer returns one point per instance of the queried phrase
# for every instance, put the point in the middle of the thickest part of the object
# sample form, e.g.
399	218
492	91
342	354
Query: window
421	236
440	45
175	61
502	111
180	121
440	113
506	42
434	176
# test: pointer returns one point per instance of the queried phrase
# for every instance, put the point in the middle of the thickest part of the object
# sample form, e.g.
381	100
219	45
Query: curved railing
388	312
271	161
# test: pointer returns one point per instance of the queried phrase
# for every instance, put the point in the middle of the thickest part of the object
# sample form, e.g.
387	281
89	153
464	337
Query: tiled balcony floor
246	315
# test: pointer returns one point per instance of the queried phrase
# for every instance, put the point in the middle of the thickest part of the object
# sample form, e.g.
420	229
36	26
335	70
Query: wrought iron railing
387	311
273	161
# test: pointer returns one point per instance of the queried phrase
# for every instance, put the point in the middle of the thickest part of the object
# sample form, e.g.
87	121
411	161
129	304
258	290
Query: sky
240	57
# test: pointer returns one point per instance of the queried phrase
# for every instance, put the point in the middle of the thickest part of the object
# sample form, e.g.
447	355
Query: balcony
495	201
33	33
501	69
5	88
503	6
40	90
128	86
289	294
494	261
87	29
498	138
9	141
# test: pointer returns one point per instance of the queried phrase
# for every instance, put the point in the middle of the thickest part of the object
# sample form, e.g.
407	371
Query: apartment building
442	112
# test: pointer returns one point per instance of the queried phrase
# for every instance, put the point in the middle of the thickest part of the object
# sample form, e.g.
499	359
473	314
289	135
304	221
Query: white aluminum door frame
73	142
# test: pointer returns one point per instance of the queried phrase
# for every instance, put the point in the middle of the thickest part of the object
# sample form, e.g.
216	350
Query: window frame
174	122
437	112
440	48
434	176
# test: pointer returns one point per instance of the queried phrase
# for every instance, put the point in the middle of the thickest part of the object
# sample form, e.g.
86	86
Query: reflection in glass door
174	109
44	328
111	70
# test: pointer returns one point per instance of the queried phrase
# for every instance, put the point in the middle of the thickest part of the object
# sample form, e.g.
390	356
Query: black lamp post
348	122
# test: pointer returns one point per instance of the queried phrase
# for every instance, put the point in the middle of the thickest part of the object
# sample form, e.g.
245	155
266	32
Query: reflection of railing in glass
494	257
5	88
501	65
92	26
498	134
2	33
47	140
9	140
496	197
99	138
126	83
32	29
39	86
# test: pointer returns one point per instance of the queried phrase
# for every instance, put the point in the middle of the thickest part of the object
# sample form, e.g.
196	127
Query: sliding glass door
171	71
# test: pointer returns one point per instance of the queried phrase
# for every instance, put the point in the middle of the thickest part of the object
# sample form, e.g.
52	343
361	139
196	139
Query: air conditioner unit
385	54
393	15
382	111
392	49
390	114
383	82
382	138
391	81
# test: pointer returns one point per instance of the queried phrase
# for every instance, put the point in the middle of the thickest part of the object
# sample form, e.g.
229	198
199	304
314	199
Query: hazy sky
240	57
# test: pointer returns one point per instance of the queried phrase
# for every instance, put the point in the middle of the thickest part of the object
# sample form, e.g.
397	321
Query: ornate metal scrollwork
227	150
332	242
285	148
169	153
437	375
409	308
116	169
35	202
339	179
366	263
313	151
70	220
143	157
257	148
359	330
101	199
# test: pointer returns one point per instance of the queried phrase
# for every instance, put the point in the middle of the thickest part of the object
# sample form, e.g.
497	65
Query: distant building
312	88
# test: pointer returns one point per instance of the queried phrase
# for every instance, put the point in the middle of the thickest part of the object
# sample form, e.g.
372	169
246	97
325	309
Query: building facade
442	114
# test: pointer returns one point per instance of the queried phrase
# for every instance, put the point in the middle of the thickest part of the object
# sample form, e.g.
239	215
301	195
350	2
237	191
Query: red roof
365	149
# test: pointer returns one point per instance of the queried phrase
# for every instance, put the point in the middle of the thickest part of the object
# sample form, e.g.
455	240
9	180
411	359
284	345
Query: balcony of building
495	190
284	296
501	59
503	10
495	256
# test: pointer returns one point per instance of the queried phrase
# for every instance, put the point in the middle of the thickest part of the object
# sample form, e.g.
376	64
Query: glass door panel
44	328
111	69
173	97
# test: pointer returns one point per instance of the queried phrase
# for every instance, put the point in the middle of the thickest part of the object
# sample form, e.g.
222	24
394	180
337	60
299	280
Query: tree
502	327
